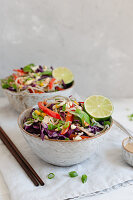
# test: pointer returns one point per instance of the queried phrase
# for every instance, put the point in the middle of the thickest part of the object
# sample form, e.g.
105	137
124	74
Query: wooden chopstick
20	158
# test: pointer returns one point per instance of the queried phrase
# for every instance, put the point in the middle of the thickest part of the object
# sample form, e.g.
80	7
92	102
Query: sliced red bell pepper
50	86
64	131
48	111
72	107
45	102
84	137
73	136
37	91
69	118
30	90
20	72
15	76
58	88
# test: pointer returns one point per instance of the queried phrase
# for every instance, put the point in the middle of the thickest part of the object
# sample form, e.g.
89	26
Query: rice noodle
85	131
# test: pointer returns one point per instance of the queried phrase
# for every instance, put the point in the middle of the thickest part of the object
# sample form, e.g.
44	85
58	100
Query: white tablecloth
122	109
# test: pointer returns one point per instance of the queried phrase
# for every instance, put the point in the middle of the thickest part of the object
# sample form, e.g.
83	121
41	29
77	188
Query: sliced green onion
38	82
84	178
34	115
51	175
35	75
28	79
61	122
130	117
40	118
67	139
73	174
51	127
58	127
30	119
66	125
64	107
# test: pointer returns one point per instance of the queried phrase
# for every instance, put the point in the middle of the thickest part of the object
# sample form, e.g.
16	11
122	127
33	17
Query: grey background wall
94	38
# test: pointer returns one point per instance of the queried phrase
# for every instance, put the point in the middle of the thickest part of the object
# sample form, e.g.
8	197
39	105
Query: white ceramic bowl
21	100
59	152
127	155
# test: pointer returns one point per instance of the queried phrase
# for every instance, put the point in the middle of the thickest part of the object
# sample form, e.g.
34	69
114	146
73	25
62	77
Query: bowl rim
36	94
124	145
35	136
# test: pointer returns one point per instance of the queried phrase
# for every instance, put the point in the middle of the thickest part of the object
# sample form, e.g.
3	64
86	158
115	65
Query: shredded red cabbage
40	69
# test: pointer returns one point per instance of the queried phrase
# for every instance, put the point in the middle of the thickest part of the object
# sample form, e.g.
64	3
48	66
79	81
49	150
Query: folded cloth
4	193
105	169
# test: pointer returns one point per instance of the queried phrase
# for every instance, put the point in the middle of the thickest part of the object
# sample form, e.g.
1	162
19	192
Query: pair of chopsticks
20	158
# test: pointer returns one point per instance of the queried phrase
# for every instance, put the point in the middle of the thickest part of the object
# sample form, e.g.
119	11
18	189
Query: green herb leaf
84	178
49	73
5	85
27	68
107	123
10	79
51	175
14	86
73	174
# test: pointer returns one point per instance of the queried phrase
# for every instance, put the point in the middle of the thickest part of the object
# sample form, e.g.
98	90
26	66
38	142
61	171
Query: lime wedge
99	107
63	73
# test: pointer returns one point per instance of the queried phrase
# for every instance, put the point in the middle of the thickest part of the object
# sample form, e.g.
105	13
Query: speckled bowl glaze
61	152
127	155
21	100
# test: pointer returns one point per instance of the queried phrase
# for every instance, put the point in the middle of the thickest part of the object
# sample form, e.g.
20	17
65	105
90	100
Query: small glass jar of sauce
127	150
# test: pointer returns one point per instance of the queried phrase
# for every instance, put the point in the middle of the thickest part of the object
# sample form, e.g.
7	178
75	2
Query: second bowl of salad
63	131
31	83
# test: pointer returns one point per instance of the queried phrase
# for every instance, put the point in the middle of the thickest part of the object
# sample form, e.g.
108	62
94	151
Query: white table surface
122	108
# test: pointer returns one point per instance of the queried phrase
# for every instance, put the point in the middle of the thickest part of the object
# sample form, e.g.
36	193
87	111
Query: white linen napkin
105	170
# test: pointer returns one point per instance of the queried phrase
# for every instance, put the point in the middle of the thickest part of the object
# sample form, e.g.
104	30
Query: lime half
99	107
63	73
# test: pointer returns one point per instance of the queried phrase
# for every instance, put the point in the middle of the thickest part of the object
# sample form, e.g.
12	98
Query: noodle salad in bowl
32	83
63	131
63	118
38	79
